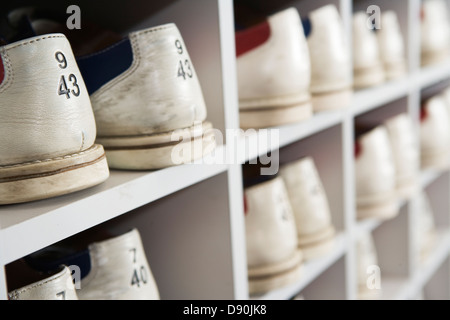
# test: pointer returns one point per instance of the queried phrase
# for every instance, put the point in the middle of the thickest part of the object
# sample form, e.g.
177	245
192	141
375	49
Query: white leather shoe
273	257
375	175
367	263
149	106
47	126
435	32
331	65
119	271
111	269
426	228
367	66
435	134
406	153
59	286
273	70
391	46
316	234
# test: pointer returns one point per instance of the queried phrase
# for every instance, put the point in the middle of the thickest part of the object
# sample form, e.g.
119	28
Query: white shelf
428	176
282	136
368	99
25	228
430	75
312	269
44	222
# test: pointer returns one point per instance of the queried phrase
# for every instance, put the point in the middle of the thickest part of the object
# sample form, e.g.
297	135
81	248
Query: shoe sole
267	278
334	100
318	244
369	77
383	211
406	188
276	116
53	177
430	58
395	71
439	160
151	152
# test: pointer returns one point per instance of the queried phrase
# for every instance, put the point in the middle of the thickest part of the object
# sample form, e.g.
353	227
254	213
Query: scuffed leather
57	287
150	97
280	66
307	196
36	123
271	234
119	271
331	65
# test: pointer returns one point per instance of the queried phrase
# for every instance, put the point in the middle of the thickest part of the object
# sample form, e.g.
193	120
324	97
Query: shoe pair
287	221
288	68
378	54
112	269
139	99
387	162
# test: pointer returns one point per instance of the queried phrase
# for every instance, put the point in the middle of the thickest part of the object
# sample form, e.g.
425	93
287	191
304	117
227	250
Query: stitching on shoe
156	29
46	160
34	40
37	285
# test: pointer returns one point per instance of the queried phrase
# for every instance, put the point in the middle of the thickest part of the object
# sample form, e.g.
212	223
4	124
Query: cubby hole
186	238
330	285
391	240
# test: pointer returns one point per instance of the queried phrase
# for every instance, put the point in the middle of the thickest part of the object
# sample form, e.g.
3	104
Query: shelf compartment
312	270
25	228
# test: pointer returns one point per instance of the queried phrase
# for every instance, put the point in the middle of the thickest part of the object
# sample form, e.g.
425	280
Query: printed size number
184	66
70	86
139	274
61	295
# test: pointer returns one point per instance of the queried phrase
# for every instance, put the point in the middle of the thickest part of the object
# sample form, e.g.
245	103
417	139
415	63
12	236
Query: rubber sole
334	100
271	277
274	117
151	152
369	77
383	210
434	57
53	177
439	159
317	245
